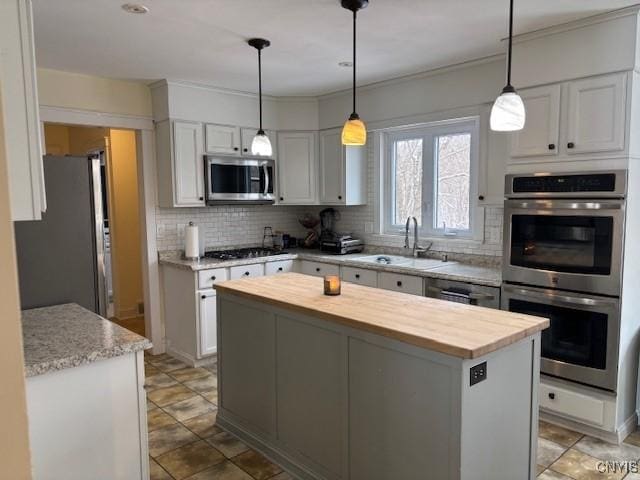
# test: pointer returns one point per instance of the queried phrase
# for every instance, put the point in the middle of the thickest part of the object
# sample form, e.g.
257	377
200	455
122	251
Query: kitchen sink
400	261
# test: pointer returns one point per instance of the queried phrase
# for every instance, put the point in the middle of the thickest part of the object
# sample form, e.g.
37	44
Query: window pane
453	170
407	167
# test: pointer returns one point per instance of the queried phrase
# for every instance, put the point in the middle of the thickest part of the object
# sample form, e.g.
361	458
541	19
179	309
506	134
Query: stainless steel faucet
416	250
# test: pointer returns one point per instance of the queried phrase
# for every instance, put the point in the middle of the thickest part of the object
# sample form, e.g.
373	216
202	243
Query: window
430	173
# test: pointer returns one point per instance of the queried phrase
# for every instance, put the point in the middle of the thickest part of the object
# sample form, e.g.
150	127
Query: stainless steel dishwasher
463	292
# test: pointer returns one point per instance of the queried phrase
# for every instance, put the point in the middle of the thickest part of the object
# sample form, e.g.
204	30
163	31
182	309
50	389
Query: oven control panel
600	182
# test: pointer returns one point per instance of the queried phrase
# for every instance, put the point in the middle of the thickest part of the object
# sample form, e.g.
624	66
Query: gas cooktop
241	253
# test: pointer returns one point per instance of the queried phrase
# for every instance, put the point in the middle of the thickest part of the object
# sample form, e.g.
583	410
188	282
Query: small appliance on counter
333	242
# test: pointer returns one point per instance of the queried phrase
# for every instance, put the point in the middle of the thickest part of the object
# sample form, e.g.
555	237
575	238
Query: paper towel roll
191	241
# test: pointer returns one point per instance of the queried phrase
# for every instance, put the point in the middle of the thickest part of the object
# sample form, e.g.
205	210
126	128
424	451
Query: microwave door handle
266	179
560	299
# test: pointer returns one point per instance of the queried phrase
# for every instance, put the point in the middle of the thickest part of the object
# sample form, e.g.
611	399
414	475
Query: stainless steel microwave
232	180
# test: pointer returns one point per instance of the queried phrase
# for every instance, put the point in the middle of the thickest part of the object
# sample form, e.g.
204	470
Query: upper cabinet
343	171
20	111
580	117
247	135
223	139
180	159
297	168
596	114
541	131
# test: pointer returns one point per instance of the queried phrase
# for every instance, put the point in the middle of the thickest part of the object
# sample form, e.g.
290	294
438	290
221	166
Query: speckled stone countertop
68	335
487	275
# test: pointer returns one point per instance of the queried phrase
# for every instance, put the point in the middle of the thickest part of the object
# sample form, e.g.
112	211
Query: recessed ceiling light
345	64
134	8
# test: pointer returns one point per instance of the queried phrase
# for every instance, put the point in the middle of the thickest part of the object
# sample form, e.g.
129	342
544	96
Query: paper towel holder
192	242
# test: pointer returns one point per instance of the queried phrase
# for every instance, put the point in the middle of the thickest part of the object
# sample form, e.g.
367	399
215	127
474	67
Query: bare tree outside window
453	167
408	180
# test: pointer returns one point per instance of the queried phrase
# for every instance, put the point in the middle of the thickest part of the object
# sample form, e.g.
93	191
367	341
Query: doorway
121	260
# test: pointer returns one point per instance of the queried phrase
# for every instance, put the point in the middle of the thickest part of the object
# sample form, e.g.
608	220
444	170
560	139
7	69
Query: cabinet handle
552	396
213	278
481	197
203	296
357	275
399	283
246	149
317	269
236	148
200	198
279	269
552	146
246	274
339	197
281	199
571	145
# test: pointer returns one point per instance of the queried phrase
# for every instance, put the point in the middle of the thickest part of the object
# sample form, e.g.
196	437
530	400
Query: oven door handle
563	205
266	179
470	295
561	298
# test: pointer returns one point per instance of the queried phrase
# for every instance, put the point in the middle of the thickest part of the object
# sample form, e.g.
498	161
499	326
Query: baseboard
617	437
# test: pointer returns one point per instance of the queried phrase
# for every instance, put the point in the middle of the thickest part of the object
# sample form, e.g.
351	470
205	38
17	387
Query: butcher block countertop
455	329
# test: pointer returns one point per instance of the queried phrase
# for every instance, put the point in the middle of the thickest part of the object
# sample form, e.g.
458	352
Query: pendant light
507	113
354	131
261	145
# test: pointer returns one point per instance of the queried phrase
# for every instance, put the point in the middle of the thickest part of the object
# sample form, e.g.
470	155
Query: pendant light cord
510	42
260	84
354	61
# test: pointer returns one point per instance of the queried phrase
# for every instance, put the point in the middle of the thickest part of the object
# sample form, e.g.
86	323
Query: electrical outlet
477	373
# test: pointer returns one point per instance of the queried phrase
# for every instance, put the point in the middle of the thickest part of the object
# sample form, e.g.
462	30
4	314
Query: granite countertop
68	335
464	331
478	274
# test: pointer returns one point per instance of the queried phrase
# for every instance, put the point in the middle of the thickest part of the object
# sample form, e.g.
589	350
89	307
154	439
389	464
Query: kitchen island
375	384
85	396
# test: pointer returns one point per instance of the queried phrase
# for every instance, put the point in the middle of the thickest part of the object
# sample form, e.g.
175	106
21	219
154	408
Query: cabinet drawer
208	278
361	276
575	405
319	269
400	283
271	268
244	271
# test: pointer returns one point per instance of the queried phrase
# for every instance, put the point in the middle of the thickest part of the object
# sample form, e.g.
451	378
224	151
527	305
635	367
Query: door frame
147	194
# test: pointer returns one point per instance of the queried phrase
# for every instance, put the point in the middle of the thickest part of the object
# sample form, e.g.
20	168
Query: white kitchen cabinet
179	155
318	269
246	271
223	139
297	168
283	266
207	318
247	135
401	283
20	111
596	114
361	276
342	172
209	278
540	134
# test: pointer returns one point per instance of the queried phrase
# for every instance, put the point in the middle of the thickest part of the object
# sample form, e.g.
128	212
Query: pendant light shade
261	145
354	131
508	113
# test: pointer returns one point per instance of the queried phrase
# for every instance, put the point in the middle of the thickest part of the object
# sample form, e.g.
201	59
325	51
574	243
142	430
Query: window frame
428	132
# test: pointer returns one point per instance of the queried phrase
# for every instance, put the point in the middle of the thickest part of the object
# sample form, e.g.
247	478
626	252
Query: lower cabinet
361	276
318	269
401	283
207	319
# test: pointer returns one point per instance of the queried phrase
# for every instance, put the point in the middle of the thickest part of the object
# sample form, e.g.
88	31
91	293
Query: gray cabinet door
247	364
312	366
400	409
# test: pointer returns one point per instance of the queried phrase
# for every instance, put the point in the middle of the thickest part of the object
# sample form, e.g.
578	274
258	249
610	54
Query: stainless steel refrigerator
61	257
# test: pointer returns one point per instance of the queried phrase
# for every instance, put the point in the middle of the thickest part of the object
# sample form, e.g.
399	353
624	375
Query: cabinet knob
571	145
279	269
203	296
245	149
246	274
399	283
339	197
357	275
281	199
317	269
236	148
552	146
200	198
213	278
552	396
481	197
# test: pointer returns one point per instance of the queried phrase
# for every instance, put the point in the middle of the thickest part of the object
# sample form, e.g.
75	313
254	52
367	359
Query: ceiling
204	40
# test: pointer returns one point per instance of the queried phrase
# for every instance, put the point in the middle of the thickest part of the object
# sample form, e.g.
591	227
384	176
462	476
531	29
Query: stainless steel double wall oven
563	247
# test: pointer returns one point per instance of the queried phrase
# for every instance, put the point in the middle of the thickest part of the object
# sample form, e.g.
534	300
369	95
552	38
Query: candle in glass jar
332	285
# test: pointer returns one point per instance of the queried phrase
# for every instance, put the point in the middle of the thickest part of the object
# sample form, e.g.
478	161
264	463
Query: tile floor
185	443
